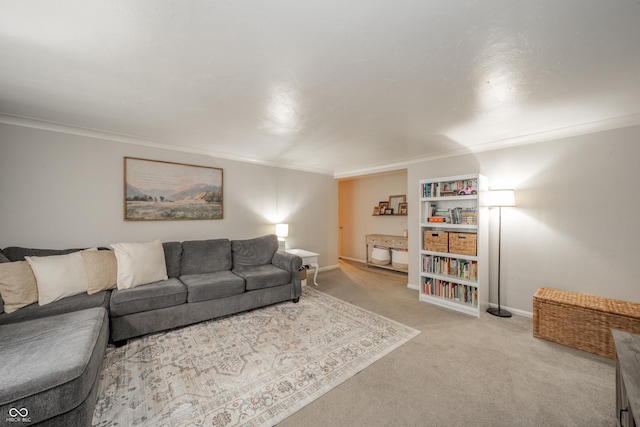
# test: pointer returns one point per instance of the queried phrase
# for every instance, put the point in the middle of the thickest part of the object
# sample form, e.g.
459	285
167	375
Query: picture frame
402	208
376	210
383	205
394	202
156	190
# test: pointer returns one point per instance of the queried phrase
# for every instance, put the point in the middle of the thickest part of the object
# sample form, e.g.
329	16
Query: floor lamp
499	199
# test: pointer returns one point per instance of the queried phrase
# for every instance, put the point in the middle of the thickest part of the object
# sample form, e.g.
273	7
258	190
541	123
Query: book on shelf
437	219
456	215
451	291
446	266
450	188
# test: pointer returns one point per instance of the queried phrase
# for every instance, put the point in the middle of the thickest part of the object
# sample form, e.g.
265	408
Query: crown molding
533	138
126	139
544	136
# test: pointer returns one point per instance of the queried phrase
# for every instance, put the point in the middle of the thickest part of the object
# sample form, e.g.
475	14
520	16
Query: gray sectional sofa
52	354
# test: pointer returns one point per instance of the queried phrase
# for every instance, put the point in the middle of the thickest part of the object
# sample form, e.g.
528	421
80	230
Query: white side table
308	258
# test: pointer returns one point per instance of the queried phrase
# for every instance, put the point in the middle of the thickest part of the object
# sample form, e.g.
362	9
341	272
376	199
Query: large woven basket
582	321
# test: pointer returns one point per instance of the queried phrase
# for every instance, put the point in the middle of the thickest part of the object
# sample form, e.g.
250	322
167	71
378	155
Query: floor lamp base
497	311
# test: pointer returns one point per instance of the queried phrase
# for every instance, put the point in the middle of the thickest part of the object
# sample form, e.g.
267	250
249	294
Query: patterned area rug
251	369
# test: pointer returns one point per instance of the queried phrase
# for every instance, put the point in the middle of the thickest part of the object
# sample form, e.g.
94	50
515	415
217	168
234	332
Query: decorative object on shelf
395	201
282	231
156	190
397	205
499	199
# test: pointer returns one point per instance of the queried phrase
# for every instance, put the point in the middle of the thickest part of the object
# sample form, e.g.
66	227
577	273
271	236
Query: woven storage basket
582	321
400	258
463	243
437	241
380	255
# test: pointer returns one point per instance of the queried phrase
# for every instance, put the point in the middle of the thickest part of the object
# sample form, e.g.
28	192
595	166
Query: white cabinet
454	268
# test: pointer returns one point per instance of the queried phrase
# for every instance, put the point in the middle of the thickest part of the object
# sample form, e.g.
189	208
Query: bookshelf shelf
451	226
454	243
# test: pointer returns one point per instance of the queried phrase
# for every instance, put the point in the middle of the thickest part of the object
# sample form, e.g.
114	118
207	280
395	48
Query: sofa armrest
287	261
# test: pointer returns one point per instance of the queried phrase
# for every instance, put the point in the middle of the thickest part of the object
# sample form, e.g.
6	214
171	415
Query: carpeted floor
252	369
460	371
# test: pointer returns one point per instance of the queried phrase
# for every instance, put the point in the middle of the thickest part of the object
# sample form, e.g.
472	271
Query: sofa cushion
139	263
59	276
17	253
102	270
257	251
17	285
172	257
65	305
208	286
262	276
50	365
152	296
205	256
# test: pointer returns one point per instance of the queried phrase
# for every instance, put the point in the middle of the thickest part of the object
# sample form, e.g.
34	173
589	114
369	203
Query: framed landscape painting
156	190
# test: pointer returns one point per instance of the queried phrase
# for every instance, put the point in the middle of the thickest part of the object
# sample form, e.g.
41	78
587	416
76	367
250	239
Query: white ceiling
326	86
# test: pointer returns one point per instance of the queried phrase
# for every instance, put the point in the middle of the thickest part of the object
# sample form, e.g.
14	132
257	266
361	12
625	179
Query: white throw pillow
59	276
139	263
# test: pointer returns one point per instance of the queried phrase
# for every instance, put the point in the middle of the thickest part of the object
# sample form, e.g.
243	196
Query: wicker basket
437	241
582	321
380	255
463	243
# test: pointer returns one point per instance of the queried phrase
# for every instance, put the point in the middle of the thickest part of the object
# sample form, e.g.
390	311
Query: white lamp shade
282	230
496	198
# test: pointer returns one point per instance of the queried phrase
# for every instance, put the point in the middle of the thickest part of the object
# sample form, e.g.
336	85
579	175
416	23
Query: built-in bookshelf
454	268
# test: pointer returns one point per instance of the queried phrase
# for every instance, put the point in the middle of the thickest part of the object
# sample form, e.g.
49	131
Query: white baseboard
417	288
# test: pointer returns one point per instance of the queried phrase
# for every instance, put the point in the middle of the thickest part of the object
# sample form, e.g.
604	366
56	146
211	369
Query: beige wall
59	190
357	197
575	226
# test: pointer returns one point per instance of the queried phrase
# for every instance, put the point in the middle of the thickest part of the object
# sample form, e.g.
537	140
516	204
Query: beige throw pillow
139	263
102	270
17	285
59	276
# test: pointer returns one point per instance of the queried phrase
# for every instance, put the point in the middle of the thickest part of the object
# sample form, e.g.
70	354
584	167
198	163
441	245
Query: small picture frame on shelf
394	202
384	206
402	208
376	210
388	211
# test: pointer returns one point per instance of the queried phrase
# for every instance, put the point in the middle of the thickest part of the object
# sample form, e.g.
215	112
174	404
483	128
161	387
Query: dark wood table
627	378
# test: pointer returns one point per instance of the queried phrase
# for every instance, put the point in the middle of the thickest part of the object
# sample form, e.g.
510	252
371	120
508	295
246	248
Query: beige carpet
252	369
